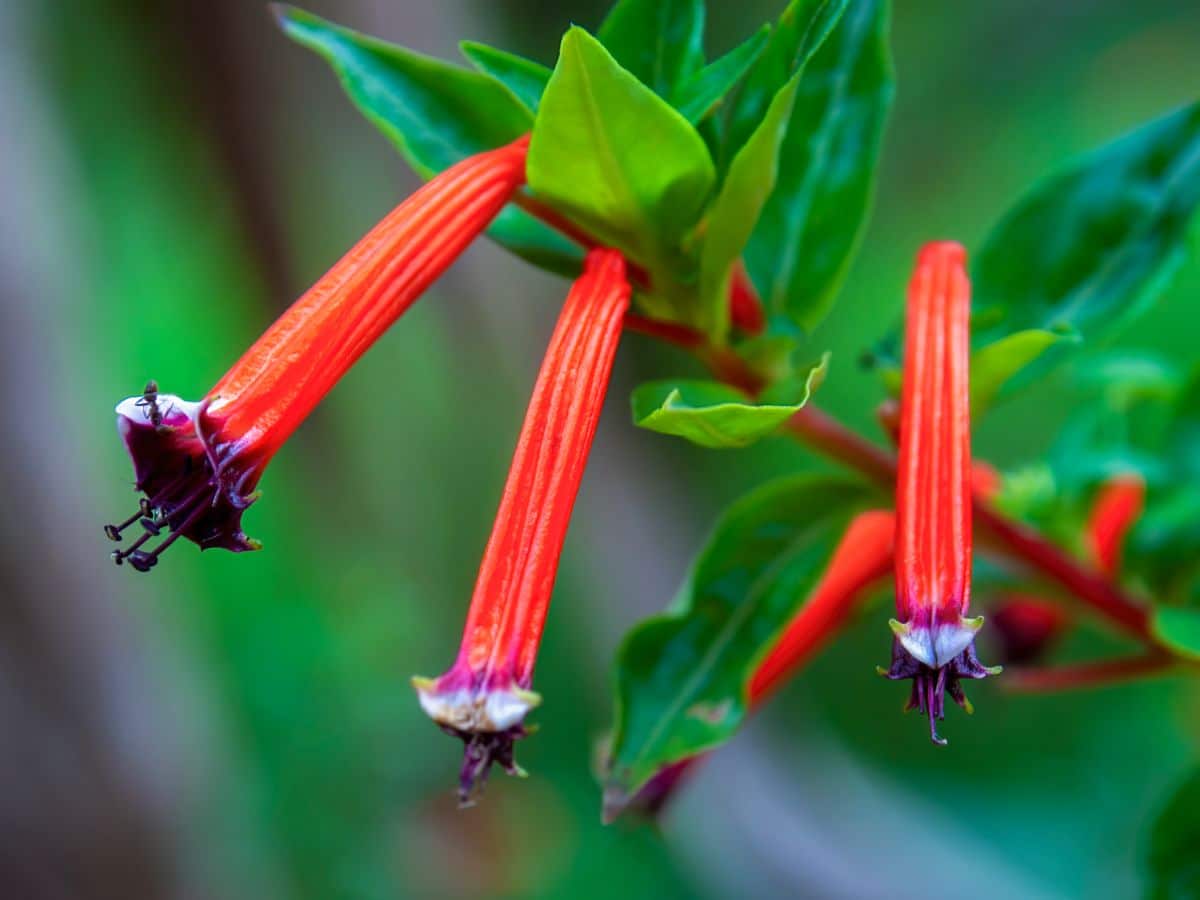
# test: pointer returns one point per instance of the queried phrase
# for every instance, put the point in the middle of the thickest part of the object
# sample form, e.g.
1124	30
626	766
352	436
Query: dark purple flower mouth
194	488
932	683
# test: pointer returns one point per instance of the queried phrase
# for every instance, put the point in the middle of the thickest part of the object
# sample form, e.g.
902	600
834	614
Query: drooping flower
934	641
863	557
486	695
1116	509
198	464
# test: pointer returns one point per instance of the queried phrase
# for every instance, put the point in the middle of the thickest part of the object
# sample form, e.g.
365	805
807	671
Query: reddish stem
1087	675
1085	583
556	220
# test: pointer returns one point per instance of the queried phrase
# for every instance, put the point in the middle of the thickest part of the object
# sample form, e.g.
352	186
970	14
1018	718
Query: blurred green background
172	175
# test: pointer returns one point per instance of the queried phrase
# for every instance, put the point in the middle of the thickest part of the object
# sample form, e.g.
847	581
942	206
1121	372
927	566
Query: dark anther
145	507
152	526
117	557
143	561
114	531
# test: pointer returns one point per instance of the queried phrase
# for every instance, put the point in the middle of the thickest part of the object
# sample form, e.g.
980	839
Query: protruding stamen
113	532
178	505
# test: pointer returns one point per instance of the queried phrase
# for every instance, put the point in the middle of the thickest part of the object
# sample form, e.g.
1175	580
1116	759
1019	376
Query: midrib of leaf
704	669
797	217
1078	298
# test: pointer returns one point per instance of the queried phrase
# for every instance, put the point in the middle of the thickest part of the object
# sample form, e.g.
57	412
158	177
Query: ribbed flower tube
198	464
933	639
486	695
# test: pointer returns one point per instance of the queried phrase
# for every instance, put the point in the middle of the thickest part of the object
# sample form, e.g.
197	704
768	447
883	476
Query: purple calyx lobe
930	684
195	487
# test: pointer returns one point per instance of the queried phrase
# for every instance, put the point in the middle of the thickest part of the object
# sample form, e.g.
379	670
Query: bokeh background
172	174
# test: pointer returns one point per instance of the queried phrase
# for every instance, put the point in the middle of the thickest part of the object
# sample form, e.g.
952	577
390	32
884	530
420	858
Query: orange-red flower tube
198	464
934	642
486	695
1116	508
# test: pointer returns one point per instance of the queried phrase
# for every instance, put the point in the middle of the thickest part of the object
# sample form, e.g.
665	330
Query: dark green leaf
749	183
715	415
660	41
616	158
435	113
1178	628
700	94
799	33
994	365
1173	859
810	228
525	78
1095	244
682	677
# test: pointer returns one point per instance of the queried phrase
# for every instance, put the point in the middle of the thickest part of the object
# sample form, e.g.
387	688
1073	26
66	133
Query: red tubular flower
862	558
934	642
199	463
486	695
1118	506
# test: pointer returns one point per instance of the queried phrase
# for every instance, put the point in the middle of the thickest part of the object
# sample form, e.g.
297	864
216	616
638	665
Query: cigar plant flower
933	639
198	463
487	693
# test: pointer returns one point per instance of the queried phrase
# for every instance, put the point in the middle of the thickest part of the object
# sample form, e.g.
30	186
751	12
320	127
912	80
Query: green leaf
435	113
697	97
1097	243
802	27
994	365
1173	860
809	229
682	677
750	181
715	415
661	42
1178	629
525	78
616	158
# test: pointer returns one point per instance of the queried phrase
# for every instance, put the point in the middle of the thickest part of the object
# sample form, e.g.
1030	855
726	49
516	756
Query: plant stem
1087	675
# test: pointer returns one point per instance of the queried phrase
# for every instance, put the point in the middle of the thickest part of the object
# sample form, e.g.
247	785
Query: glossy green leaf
661	42
1173	857
798	34
1095	244
1178	628
435	113
525	78
715	415
809	229
682	677
749	183
993	366
616	158
699	95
